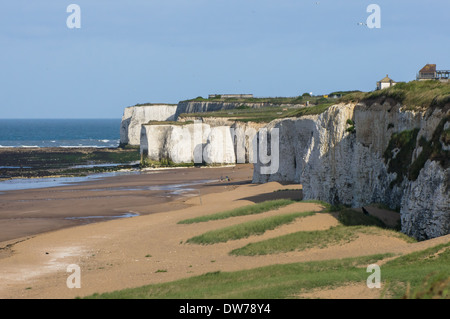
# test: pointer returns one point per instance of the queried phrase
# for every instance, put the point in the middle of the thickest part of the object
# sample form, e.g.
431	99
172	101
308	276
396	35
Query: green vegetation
404	143
66	162
247	229
401	147
432	150
271	108
420	270
433	287
299	241
164	162
246	114
312	110
264	114
241	211
423	274
413	95
266	100
270	282
351	224
243	107
149	104
350	217
169	123
351	128
343	93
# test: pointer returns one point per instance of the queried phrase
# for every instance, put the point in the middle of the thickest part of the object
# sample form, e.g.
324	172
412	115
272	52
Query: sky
165	51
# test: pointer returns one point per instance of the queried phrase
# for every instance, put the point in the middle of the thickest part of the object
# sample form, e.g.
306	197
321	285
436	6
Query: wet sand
34	211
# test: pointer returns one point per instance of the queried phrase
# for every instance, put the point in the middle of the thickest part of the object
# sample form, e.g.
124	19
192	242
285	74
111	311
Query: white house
385	83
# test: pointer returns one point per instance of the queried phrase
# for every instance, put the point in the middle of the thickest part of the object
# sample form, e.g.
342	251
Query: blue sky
164	51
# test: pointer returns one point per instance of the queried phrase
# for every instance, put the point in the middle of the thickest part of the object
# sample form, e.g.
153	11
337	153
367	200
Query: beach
29	212
151	248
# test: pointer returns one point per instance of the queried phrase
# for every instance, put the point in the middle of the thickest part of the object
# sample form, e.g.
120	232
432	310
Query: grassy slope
412	95
287	281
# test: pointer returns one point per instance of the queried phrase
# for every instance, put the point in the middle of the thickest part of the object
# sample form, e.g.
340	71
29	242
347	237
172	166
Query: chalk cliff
209	140
187	143
357	154
134	116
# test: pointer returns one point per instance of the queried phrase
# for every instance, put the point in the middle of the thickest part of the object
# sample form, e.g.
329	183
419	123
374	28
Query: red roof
429	68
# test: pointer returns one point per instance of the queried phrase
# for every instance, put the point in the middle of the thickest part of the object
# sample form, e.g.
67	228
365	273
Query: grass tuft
241	211
244	230
298	241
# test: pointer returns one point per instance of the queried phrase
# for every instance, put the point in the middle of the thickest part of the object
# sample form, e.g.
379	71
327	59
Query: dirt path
151	249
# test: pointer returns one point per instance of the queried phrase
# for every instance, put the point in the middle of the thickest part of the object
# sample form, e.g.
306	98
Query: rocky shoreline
64	162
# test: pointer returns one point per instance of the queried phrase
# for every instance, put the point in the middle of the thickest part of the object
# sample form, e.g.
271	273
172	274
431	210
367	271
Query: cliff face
359	154
134	116
210	140
188	143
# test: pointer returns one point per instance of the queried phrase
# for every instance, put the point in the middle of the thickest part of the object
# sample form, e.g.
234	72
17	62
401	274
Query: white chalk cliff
134	116
341	161
188	143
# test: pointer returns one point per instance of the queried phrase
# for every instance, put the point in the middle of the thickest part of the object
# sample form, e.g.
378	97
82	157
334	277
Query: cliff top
168	123
414	95
263	114
264	100
153	104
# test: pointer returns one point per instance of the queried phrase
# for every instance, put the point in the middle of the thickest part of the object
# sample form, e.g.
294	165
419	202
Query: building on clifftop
231	96
385	83
429	72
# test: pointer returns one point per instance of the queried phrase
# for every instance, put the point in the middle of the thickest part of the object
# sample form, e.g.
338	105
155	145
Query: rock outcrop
361	154
187	143
135	116
208	140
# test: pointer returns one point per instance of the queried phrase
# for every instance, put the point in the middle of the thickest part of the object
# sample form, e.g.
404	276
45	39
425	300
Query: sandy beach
32	211
128	252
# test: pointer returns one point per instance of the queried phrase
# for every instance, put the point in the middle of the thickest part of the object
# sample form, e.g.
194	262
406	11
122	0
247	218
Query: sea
68	133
